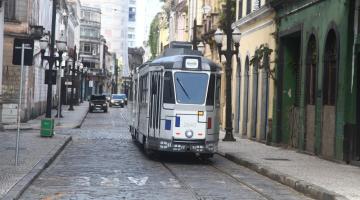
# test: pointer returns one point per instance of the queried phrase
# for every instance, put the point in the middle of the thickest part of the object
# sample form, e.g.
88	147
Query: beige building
253	87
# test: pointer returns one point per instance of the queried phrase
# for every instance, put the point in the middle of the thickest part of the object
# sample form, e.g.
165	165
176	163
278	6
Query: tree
222	20
154	36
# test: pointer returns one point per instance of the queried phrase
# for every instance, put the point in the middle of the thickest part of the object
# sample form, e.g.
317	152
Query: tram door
155	104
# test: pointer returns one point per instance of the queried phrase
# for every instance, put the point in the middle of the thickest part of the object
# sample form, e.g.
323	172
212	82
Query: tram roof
173	59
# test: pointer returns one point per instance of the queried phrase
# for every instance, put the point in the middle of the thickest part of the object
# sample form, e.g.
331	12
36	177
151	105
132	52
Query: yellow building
252	86
163	32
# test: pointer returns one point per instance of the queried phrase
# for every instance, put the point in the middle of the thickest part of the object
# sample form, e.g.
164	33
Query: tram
176	103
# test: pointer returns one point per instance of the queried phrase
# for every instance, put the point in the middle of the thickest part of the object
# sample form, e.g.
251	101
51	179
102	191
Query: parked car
117	100
98	102
108	96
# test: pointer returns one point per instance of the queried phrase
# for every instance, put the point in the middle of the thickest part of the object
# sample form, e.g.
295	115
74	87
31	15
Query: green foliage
154	36
222	20
261	59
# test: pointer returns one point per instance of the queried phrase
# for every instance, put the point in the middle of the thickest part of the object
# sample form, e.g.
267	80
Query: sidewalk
69	119
316	177
35	153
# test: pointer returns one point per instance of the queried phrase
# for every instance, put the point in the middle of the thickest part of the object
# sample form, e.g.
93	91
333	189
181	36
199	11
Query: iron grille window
9	8
248	7
256	5
240	8
330	69
298	85
311	63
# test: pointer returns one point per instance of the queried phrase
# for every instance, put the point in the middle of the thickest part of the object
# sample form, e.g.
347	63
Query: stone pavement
68	121
316	177
35	153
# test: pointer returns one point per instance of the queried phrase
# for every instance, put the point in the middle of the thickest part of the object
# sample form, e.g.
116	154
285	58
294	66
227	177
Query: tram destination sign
192	62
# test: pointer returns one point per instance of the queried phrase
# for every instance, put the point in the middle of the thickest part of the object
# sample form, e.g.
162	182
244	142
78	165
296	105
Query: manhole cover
277	159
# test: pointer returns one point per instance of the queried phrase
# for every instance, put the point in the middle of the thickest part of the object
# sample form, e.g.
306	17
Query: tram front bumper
197	147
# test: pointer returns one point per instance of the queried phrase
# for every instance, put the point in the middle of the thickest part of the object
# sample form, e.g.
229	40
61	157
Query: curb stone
299	185
19	188
82	121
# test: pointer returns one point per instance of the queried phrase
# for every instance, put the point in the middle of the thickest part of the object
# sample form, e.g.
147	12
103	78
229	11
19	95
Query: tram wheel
149	152
206	155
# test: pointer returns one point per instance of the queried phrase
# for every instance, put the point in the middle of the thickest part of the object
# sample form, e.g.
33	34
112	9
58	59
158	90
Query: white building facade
132	24
114	27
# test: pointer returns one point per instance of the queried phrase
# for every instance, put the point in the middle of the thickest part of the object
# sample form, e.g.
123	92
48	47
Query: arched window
247	65
311	64
330	69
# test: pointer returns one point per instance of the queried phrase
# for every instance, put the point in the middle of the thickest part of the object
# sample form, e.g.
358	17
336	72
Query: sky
146	10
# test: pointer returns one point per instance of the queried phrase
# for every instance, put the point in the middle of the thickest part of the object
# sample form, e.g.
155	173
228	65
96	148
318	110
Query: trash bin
47	127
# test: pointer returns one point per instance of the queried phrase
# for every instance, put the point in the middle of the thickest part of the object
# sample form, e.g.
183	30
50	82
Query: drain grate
277	159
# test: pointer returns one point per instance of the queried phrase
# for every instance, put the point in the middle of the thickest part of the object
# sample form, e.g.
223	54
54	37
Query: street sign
28	54
68	83
53	76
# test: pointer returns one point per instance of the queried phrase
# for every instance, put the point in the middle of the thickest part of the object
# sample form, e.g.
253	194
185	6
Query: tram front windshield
190	87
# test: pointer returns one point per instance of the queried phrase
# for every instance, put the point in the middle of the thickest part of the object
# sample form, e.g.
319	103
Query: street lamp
52	59
61	47
201	47
231	37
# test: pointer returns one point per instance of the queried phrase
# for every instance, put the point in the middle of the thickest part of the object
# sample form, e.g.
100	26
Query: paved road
102	162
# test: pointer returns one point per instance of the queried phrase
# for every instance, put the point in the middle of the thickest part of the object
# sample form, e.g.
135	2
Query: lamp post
231	37
81	74
50	59
61	48
72	69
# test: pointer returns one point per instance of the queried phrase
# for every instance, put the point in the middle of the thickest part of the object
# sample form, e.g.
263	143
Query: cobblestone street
102	162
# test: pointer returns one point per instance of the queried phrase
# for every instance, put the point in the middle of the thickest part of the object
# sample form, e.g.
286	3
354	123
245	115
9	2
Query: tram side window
168	96
217	91
143	89
210	95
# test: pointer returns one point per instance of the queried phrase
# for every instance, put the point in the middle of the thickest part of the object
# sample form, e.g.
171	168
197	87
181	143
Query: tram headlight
189	133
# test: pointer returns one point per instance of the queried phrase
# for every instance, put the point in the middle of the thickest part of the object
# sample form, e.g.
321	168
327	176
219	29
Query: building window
240	9
9	8
311	63
248	6
330	69
256	5
132	14
87	48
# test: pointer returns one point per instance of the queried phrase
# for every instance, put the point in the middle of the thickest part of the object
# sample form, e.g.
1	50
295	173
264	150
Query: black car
117	100
98	102
108	96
